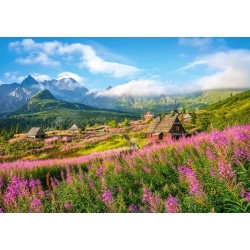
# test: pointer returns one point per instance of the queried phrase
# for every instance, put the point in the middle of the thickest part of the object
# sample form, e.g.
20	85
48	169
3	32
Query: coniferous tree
193	117
17	129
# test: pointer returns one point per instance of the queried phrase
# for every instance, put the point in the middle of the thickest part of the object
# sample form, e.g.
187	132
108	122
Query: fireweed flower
99	171
240	135
68	205
194	184
107	196
212	172
38	182
246	195
148	170
80	176
32	183
69	178
35	206
1	210
225	171
41	193
132	208
189	162
243	193
62	175
172	205
17	188
153	201
147	195
1	181
209	154
141	208
240	155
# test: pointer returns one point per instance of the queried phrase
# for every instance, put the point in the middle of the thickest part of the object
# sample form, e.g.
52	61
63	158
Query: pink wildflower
68	205
132	208
107	196
225	171
212	172
35	206
172	205
194	184
1	181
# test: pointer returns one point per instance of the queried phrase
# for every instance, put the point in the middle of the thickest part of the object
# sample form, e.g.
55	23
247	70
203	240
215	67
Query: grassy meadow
207	172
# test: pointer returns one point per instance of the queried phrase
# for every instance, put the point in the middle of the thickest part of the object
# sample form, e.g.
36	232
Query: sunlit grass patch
115	142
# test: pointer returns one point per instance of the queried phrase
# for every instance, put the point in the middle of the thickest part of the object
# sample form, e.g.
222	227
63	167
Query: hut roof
162	125
153	125
36	131
186	116
149	113
76	126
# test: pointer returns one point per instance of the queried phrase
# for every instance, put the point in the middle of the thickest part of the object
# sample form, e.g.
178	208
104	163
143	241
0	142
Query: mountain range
44	110
14	96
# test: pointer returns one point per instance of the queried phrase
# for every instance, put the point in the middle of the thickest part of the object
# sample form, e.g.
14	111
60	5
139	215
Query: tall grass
209	172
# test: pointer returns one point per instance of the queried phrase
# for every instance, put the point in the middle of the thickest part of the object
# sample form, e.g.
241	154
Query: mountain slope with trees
231	111
44	110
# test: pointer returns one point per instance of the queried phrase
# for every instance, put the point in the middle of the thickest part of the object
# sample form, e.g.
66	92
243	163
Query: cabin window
177	128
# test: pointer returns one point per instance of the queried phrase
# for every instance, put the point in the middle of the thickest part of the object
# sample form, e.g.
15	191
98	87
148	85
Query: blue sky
141	66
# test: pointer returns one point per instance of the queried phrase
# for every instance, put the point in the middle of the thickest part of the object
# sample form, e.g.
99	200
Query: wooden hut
148	116
36	132
165	128
187	117
76	127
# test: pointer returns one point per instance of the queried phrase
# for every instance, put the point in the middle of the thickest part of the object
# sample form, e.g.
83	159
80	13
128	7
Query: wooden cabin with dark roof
36	132
165	128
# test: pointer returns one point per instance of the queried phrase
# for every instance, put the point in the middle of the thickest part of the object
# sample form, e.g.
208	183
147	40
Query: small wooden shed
36	132
76	127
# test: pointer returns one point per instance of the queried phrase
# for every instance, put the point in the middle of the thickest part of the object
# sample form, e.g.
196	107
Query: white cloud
29	45
231	70
40	58
79	79
138	88
96	64
40	78
183	55
42	53
202	43
7	75
12	77
196	42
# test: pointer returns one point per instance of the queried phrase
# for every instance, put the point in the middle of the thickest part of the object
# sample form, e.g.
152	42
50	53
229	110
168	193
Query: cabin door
160	136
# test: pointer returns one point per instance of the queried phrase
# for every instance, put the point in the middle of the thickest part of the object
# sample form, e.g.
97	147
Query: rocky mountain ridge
14	96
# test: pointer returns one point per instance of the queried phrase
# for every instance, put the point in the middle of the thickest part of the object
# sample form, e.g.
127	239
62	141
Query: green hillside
45	101
228	112
234	103
200	100
45	111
